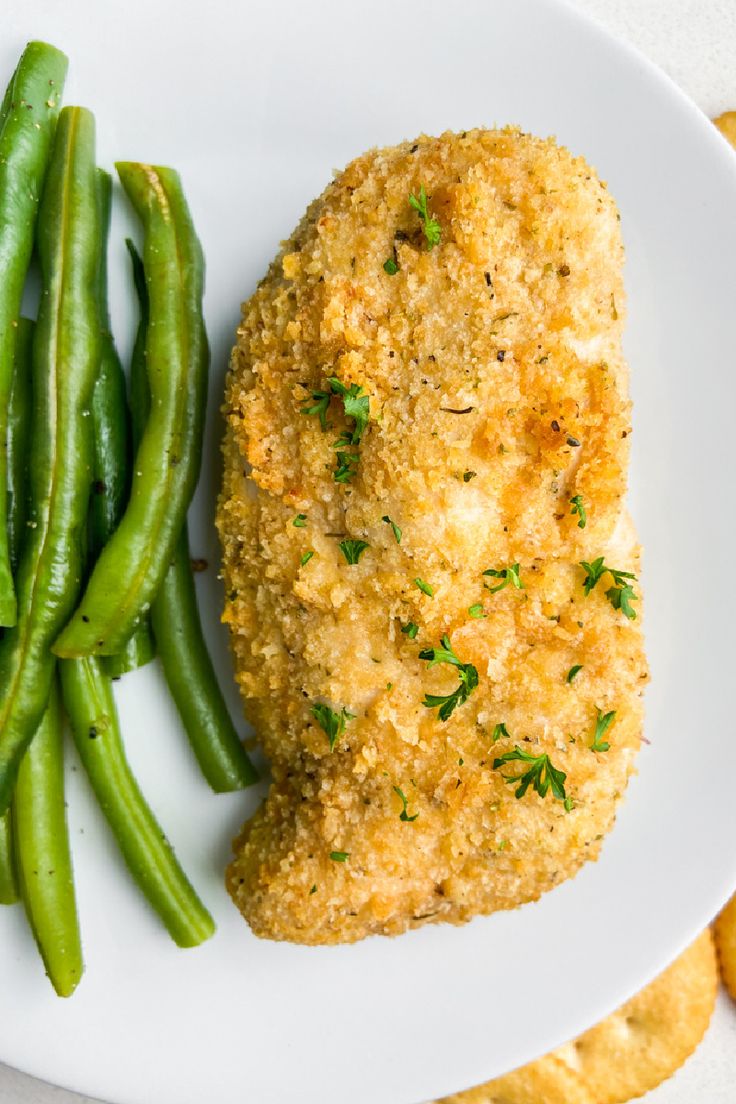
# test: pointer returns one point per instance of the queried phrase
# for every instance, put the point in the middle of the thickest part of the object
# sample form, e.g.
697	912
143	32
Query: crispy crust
517	315
649	1037
546	1081
725	933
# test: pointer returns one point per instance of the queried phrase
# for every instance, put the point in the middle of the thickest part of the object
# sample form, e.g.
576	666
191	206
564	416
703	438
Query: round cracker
649	1037
726	123
547	1081
725	933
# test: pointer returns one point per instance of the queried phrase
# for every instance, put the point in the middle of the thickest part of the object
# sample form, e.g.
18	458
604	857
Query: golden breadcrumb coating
497	392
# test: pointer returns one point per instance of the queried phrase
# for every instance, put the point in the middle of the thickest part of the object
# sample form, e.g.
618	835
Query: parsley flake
468	475
391	266
593	572
339	856
347	464
424	587
621	598
410	630
467	674
575	670
331	723
403	815
317	406
476	611
507	575
432	228
306	557
299	521
356	407
541	775
578	508
500	732
313	890
602	724
394	527
621	594
352	550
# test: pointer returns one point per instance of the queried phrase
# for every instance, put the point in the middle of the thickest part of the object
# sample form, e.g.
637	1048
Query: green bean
192	681
132	566
150	858
28	116
111	431
138	650
187	665
112	452
42	852
18	440
19	414
65	359
8	881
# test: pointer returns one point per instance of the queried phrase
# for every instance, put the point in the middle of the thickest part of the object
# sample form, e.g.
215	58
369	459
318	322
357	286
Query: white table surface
695	42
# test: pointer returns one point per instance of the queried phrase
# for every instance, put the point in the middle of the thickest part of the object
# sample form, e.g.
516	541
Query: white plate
256	104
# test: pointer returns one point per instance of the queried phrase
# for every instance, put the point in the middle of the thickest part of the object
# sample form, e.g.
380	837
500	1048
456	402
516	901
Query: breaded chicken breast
427	434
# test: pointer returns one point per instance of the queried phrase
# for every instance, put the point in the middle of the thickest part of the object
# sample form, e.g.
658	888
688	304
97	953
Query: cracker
649	1037
547	1081
726	123
725	932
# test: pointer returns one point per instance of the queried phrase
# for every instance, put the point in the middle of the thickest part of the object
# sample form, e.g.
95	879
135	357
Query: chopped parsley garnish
593	572
500	732
576	669
468	475
410	630
306	557
424	587
339	856
313	890
394	527
467	674
602	724
347	464
403	815
432	228
507	574
541	775
621	598
568	803
356	406
476	610
578	508
391	266
352	550
331	723
621	594
320	402
299	521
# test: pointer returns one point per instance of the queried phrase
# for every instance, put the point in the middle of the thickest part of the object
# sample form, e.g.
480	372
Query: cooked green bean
18	439
8	882
150	858
138	650
192	681
27	122
42	851
110	428
187	665
19	416
65	359
132	565
112	452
